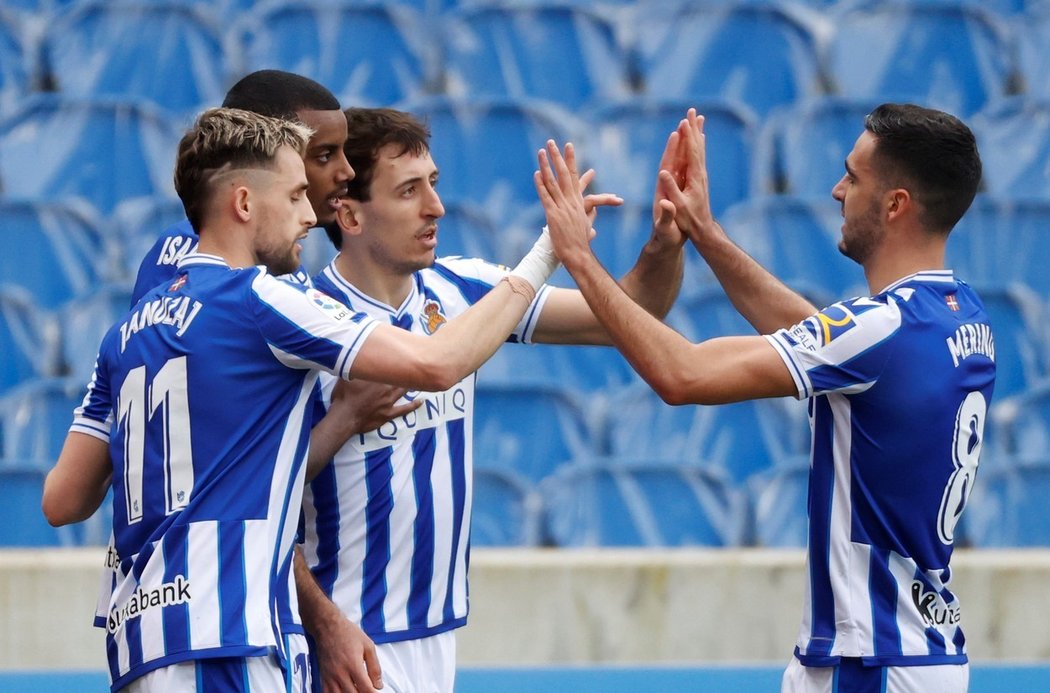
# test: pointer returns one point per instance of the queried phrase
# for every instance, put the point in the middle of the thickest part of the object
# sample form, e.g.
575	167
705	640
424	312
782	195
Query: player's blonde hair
229	139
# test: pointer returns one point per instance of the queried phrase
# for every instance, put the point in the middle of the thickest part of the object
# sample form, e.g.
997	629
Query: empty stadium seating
104	150
35	417
779	500
628	137
367	53
1003	240
1008	507
1014	138
29	339
797	240
171	53
528	429
505	511
486	148
947	56
555	51
687	50
641	502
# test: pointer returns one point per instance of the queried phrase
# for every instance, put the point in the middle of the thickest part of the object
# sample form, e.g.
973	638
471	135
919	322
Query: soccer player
277	94
387	531
197	415
898	384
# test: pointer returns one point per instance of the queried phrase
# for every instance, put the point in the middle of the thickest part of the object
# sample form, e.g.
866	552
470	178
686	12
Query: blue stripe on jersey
456	448
473	290
378	473
223	675
233	624
821	491
935	641
133	639
176	616
326	505
882	590
423	529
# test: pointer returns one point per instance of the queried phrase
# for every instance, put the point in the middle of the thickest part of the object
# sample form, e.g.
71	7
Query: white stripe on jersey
257	584
204	580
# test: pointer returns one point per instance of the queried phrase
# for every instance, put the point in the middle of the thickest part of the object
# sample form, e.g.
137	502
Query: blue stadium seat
780	505
505	510
486	148
556	51
1017	316
1013	135
529	429
139	222
468	230
737	439
804	146
588	370
170	53
1032	33
17	59
85	321
641	502
947	56
797	240
22	523
1003	240
1021	423
628	139
36	416
691	51
105	150
54	250
29	339
1008	507
367	53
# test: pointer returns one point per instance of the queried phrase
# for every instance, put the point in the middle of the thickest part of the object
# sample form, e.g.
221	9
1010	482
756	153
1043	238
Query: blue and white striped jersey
203	393
900	385
162	259
387	524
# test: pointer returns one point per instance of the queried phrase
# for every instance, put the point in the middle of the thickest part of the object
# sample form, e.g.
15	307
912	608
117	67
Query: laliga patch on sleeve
327	305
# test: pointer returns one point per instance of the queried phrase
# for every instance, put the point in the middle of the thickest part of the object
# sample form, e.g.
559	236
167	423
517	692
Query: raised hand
685	183
558	187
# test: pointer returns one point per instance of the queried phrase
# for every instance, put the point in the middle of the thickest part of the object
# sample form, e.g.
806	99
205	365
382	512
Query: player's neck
380	283
226	245
894	262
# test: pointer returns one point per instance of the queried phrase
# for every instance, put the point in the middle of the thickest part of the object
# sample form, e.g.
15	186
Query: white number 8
966	451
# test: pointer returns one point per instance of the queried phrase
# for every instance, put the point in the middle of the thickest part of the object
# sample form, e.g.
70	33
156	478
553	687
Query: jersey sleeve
843	348
305	328
477	277
94	416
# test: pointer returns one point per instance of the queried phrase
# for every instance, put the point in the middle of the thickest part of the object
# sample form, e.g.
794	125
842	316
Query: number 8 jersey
899	385
202	393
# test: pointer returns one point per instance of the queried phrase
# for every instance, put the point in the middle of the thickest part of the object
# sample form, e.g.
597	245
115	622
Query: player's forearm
649	346
326	437
656	277
315	608
762	299
77	485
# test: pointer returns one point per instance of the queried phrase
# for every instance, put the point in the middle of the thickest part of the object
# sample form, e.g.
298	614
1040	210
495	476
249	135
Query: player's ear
242	202
349	216
898	203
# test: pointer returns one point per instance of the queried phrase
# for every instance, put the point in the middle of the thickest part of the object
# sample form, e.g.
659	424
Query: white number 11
135	406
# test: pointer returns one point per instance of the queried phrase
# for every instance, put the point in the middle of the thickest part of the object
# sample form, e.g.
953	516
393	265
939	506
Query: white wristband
539	263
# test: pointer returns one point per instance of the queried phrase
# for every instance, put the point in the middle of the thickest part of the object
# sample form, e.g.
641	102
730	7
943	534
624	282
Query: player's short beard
279	263
860	237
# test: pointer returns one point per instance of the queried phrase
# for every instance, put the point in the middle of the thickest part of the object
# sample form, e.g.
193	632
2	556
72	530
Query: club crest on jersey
327	305
179	283
432	318
835	321
952	301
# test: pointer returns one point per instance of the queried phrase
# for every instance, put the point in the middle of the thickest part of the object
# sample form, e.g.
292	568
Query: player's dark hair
279	94
369	130
930	153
